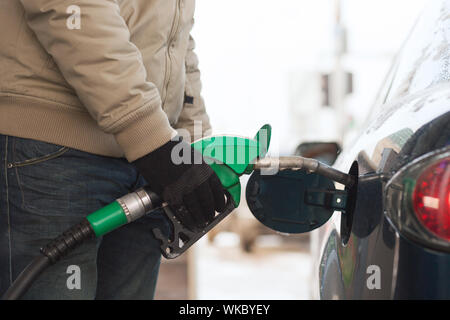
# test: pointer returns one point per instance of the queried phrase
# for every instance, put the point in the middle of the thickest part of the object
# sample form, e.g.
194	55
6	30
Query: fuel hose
118	213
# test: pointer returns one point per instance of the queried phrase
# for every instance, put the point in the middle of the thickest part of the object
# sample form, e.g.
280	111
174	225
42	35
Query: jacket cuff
144	135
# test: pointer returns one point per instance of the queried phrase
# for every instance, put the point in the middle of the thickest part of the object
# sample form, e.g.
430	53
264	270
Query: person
94	96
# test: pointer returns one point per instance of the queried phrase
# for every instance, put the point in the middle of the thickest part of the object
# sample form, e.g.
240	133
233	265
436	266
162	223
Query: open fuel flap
295	201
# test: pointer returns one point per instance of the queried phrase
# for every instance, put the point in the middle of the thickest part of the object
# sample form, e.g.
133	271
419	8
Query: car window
423	60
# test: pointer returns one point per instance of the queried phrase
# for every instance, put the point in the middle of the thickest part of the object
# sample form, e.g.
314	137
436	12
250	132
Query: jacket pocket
27	152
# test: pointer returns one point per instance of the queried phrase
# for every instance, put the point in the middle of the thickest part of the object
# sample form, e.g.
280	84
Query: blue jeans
47	188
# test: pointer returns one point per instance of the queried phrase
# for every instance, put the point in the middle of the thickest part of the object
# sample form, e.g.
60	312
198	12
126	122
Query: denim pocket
46	184
28	152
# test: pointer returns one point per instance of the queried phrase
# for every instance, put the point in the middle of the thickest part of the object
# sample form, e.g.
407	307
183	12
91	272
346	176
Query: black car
393	242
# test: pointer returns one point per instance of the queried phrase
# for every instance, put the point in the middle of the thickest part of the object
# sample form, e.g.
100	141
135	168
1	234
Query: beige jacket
110	77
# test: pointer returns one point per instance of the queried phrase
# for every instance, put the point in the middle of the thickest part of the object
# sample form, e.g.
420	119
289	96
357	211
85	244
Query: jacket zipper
173	33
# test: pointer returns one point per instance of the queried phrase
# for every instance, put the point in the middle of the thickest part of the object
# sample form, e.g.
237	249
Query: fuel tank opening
347	216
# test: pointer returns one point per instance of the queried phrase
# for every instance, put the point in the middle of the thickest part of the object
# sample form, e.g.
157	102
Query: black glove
193	191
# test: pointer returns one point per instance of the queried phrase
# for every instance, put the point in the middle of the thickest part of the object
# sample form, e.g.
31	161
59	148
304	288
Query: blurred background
310	68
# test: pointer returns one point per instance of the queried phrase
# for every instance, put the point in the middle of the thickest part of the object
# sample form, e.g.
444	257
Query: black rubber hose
26	278
51	253
68	241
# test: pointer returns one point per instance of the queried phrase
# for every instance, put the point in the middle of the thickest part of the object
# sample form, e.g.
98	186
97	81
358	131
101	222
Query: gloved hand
193	191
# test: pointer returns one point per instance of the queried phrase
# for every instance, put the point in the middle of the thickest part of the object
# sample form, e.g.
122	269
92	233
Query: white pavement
271	271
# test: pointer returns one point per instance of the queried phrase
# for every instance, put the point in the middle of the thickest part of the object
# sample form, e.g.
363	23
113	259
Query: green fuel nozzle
229	157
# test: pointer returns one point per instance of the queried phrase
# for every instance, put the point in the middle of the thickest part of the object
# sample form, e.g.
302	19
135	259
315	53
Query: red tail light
431	199
417	200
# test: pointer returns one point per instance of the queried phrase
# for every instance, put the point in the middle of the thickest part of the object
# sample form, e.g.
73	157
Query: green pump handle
229	157
232	156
